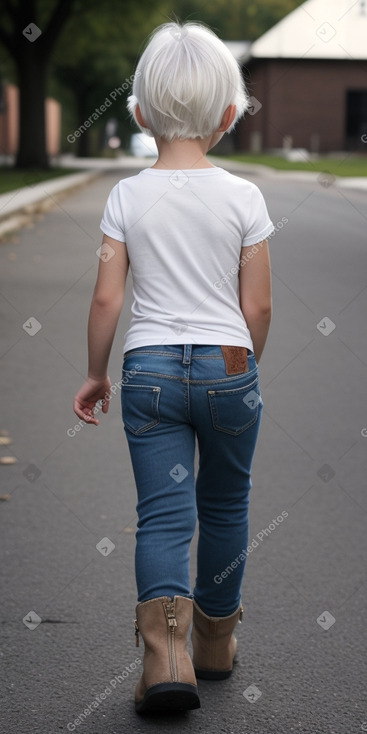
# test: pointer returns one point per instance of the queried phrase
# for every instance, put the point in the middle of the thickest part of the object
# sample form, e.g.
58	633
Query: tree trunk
32	72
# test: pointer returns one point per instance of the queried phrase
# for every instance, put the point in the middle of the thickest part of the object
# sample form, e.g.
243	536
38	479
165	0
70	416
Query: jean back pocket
233	411
140	407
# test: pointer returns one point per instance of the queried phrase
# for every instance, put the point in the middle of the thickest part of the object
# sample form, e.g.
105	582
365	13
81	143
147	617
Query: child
194	236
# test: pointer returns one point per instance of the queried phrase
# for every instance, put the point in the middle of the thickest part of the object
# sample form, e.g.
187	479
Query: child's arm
107	302
255	295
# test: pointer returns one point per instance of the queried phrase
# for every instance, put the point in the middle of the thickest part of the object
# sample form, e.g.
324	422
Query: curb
359	183
17	207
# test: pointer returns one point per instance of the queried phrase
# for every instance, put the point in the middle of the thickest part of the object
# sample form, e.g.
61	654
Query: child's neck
183	154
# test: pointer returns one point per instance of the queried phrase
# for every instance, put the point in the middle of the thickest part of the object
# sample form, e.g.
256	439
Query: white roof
318	29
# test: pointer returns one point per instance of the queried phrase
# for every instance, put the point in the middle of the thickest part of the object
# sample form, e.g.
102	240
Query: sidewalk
18	206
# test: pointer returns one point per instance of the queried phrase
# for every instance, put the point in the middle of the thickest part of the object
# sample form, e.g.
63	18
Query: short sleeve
112	222
259	225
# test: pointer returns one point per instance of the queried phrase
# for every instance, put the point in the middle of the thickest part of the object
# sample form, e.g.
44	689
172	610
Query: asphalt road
302	641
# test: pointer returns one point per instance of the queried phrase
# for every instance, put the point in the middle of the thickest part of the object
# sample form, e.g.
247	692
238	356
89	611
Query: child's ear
227	119
139	117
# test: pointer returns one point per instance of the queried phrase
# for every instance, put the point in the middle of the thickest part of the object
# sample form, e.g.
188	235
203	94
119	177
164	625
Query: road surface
302	666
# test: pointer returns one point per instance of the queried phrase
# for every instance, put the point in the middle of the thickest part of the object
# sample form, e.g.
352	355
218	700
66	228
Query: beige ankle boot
168	679
214	643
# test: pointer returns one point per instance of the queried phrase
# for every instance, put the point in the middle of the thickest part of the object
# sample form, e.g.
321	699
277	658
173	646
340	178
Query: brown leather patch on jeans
235	359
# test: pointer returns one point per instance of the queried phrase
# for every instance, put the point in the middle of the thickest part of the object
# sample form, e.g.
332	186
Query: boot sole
212	674
169	697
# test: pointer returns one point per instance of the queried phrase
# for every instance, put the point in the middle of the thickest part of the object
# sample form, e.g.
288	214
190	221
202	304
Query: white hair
184	81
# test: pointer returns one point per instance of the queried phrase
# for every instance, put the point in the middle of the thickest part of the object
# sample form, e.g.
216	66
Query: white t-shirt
184	231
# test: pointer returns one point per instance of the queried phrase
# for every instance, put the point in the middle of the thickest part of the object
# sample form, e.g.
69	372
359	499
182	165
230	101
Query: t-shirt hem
224	340
115	234
256	238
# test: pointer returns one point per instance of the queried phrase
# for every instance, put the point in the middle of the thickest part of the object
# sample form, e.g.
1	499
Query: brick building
9	122
308	80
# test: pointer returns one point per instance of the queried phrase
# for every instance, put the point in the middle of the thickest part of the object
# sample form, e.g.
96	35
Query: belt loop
187	354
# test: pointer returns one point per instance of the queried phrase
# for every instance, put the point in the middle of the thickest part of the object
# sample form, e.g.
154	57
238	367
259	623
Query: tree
29	35
237	20
87	44
93	63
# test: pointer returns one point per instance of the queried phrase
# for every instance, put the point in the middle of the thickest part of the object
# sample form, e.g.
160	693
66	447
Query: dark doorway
356	120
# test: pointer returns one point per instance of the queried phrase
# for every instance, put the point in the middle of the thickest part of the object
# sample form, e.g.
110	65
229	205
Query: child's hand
85	400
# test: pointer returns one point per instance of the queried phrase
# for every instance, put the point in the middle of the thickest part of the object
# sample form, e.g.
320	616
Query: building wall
305	99
9	123
9	120
53	126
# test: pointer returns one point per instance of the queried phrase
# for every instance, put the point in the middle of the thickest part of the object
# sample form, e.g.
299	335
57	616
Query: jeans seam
187	390
173	355
220	380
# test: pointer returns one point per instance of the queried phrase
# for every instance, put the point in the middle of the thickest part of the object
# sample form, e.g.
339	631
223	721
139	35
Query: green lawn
11	178
349	166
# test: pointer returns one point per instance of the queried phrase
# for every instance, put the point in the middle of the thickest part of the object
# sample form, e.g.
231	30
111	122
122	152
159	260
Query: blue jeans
170	395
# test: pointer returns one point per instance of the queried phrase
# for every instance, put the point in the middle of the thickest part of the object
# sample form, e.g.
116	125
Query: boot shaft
214	643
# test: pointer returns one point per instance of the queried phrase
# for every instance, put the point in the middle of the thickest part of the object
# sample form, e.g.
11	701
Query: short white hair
184	81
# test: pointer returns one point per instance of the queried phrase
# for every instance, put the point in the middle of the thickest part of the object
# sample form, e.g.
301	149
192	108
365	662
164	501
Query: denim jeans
170	395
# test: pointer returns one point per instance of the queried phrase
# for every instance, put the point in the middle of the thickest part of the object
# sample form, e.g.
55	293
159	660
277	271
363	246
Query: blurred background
78	53
66	69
